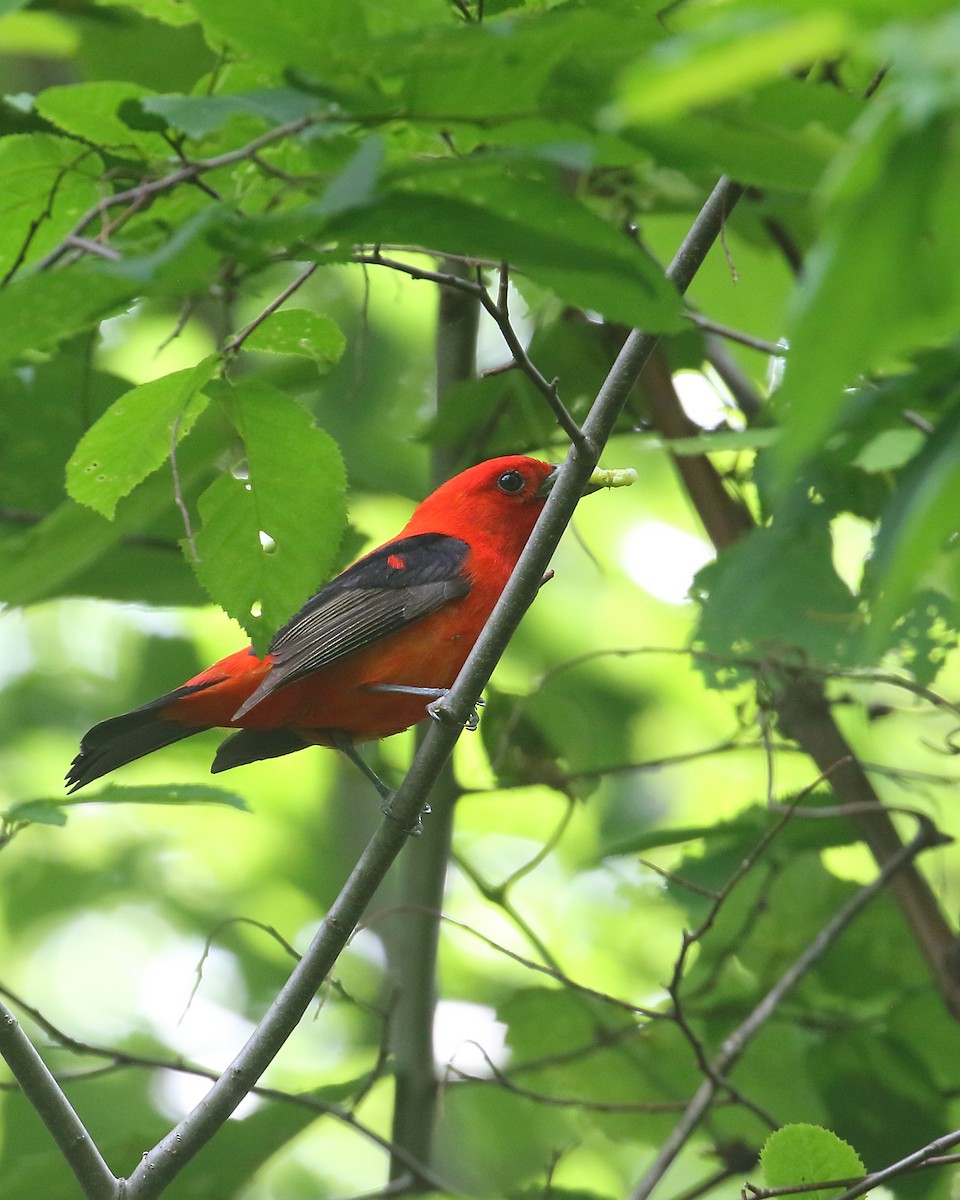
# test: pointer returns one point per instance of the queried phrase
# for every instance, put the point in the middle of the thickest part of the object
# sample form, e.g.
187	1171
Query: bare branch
779	349
55	1110
188	173
734	1045
236	342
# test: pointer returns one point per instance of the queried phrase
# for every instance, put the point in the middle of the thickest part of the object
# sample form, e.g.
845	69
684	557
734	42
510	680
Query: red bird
365	655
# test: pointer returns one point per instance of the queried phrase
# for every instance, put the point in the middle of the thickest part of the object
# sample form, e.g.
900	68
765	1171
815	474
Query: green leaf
135	436
491	211
916	526
724	60
46	184
269	538
288	32
299	331
92	111
178	793
801	833
775	592
884	277
808	1154
921	636
52	812
170	12
36	812
38	312
197	116
51	556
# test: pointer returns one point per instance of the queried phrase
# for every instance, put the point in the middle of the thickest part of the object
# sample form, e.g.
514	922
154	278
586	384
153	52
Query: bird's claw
414	830
438	713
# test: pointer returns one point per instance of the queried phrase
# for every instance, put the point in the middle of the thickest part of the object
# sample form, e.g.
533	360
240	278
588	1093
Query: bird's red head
502	496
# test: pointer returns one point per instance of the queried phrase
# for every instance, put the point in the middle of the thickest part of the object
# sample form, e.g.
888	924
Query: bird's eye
511	482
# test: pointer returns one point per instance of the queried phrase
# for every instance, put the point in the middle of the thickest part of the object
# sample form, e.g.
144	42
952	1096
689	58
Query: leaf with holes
299	331
135	436
269	538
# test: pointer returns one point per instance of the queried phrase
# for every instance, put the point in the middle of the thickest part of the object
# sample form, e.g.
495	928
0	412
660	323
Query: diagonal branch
164	1161
55	1110
733	1047
414	945
804	712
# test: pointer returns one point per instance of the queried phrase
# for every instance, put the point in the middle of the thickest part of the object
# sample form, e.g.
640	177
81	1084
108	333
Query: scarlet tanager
366	655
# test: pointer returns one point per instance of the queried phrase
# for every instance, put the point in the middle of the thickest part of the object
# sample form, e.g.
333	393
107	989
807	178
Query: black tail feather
252	745
120	740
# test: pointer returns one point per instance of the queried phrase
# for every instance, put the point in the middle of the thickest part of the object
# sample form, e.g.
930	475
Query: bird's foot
436	710
414	830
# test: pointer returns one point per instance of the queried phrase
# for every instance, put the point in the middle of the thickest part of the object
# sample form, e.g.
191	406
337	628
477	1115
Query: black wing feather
386	591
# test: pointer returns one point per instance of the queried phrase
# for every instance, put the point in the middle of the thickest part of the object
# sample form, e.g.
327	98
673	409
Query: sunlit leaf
270	533
799	1154
135	436
299	331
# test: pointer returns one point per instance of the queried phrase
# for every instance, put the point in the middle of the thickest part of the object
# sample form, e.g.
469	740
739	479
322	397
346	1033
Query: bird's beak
545	488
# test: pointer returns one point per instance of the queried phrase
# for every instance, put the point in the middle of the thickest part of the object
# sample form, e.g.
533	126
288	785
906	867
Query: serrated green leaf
299	331
288	32
292	494
46	184
135	436
808	1154
775	591
92	111
67	544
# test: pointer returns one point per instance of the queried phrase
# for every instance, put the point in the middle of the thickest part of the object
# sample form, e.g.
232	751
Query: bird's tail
120	740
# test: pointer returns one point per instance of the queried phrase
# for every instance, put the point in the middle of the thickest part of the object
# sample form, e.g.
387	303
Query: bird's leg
342	743
436	694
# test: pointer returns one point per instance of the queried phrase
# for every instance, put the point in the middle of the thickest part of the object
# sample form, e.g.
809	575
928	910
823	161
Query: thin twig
529	964
121	1059
235	343
734	1045
499	312
779	349
154	187
498	1078
178	491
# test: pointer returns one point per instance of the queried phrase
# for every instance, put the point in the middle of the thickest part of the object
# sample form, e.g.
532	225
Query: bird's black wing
386	591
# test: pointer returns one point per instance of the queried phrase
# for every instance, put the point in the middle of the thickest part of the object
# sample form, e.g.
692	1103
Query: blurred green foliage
168	168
